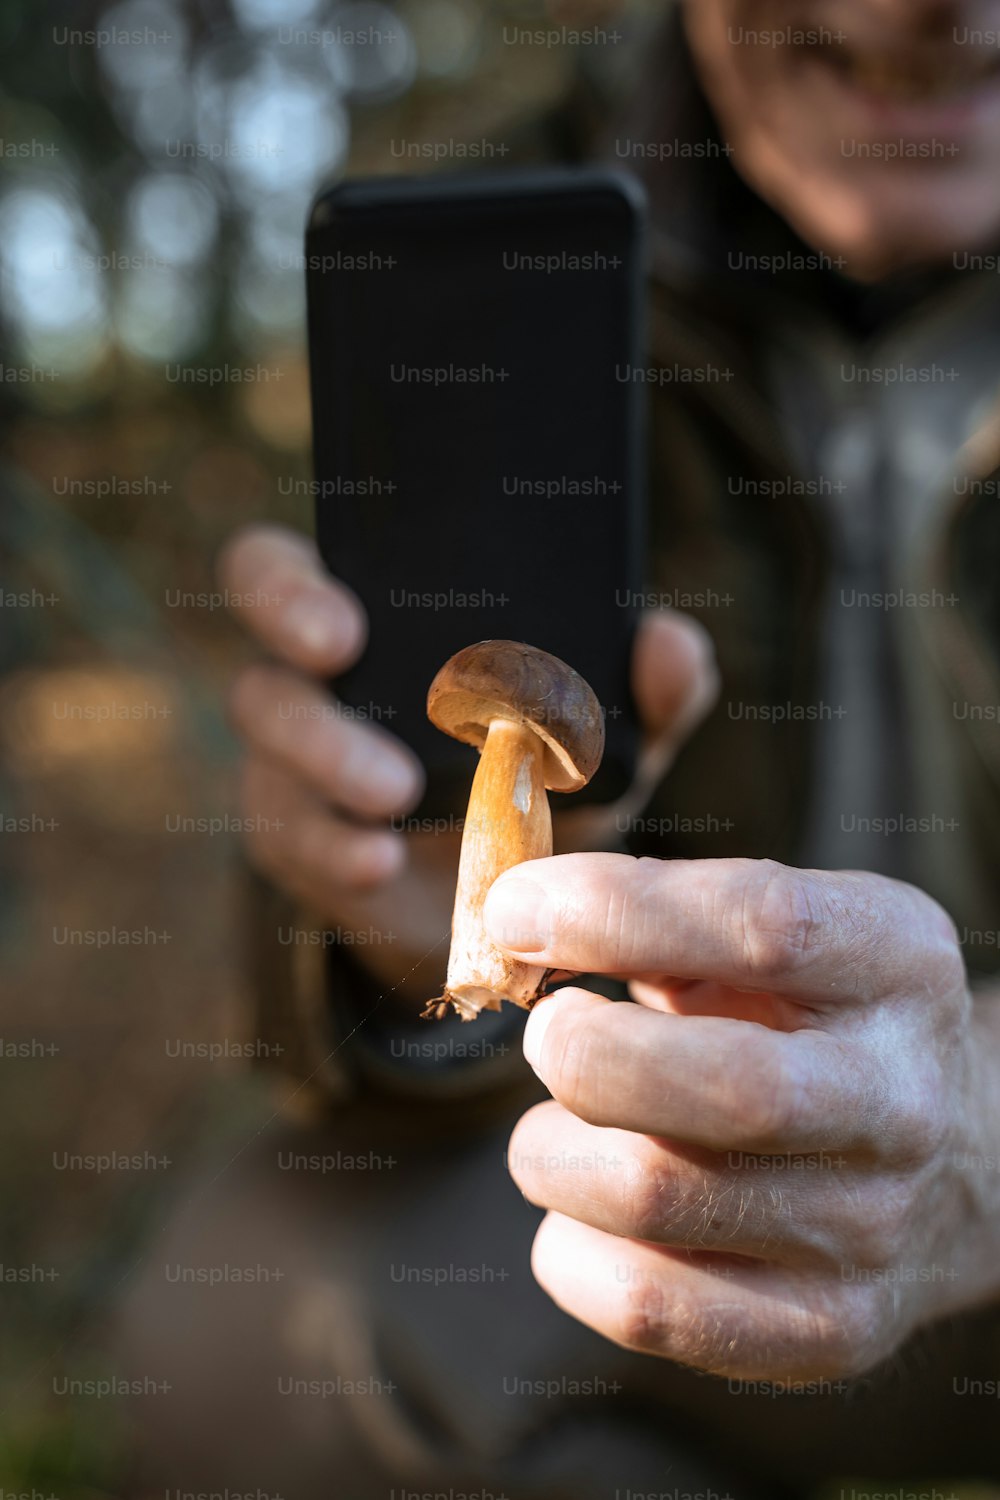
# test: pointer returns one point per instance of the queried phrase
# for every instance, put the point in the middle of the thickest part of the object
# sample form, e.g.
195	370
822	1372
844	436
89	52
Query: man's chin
894	226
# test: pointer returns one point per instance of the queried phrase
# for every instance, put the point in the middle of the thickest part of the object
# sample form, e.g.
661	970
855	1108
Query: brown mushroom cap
509	680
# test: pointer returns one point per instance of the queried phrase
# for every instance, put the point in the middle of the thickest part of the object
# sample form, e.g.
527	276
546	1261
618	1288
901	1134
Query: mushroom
537	724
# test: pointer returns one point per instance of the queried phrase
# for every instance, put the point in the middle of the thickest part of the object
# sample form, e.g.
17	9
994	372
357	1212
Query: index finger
816	935
280	591
708	1080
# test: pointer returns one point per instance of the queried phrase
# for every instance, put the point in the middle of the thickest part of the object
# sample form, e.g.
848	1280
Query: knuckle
352	750
939	951
249	699
945	973
661	1202
310	850
928	954
343	858
882	1225
649	1198
781	920
360	867
931	916
767	1106
719	1337
643	1314
835	1335
919	1122
235	559
849	1336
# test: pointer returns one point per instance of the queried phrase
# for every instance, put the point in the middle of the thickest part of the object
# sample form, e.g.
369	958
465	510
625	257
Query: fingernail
534	1033
516	912
314	623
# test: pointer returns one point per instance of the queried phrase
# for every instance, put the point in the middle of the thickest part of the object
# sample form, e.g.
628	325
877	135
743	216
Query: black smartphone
475	347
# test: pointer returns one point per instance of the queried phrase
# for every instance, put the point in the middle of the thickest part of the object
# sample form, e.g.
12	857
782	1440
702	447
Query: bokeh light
161	54
173	216
54	292
266	14
381	62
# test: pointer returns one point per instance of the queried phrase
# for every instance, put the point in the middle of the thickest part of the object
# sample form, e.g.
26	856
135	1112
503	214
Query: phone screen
477	431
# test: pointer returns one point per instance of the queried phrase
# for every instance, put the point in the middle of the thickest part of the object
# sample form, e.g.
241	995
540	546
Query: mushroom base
470	1000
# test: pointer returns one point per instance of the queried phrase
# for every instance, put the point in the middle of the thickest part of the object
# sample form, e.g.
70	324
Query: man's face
872	126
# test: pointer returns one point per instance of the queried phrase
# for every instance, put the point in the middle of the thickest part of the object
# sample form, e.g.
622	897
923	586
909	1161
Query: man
777	1165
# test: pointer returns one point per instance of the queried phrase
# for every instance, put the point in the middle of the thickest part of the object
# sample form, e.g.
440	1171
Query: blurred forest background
158	161
158	164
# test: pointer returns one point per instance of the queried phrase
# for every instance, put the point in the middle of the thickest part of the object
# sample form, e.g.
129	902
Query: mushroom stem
508	820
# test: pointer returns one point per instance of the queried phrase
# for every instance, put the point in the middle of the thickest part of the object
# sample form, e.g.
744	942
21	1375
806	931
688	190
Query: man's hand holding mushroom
785	1119
765	1166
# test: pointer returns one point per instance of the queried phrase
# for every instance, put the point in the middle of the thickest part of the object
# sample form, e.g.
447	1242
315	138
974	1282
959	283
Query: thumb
675	683
675	680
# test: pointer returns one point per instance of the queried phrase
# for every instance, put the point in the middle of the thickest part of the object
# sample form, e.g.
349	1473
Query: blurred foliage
156	185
